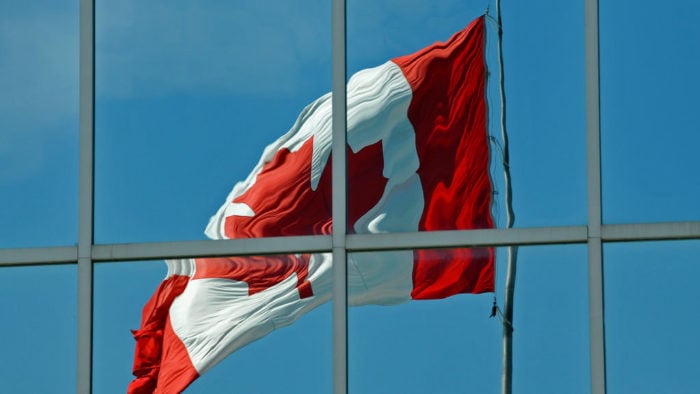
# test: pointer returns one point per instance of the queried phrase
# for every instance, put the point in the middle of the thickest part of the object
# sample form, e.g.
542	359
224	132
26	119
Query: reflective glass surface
543	58
447	346
544	80
38	123
39	309
188	96
451	345
649	117
273	363
120	292
651	316
551	343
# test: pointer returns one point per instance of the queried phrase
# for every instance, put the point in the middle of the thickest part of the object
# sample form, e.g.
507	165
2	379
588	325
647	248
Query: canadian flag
418	160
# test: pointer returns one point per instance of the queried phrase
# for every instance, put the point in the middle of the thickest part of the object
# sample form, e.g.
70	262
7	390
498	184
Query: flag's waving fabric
418	160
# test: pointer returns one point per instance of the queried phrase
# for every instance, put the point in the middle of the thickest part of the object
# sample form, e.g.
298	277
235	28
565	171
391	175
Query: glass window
451	346
39	325
545	91
446	346
120	292
270	364
294	359
649	116
551	320
39	120
187	98
651	317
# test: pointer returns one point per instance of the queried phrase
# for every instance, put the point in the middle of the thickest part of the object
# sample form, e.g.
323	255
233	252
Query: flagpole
507	367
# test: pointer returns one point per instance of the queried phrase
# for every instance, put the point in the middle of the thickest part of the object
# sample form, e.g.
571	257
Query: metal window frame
594	233
596	307
528	236
86	195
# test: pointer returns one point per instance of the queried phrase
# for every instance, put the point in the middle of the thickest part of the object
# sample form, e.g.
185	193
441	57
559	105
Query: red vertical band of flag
149	337
448	114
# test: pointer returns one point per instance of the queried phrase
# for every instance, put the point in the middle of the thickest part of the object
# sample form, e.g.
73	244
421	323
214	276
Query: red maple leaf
284	204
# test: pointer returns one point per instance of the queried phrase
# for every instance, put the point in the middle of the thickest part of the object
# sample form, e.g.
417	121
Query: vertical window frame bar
86	196
339	197
593	160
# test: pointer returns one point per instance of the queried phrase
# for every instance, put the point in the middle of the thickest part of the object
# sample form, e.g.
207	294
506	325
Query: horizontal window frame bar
665	231
467	238
212	248
529	236
38	256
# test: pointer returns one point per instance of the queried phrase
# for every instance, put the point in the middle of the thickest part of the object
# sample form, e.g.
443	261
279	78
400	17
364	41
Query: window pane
451	346
39	123
266	365
188	96
446	346
39	309
544	74
651	316
551	343
429	345
120	291
649	85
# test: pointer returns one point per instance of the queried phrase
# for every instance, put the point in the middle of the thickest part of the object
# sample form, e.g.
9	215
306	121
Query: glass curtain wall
124	126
